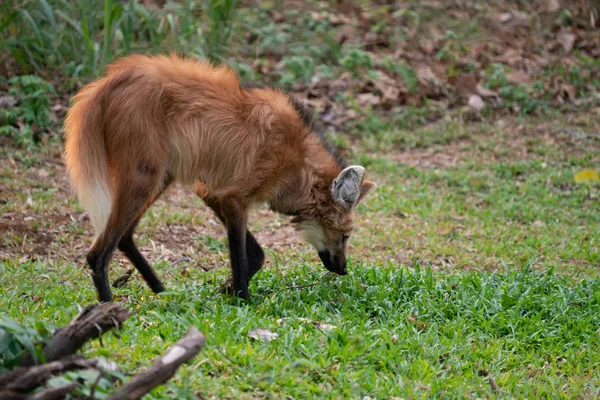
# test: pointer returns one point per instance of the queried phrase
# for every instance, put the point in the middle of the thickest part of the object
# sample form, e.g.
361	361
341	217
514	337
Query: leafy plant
405	71
32	110
221	14
356	60
83	36
519	97
17	339
296	67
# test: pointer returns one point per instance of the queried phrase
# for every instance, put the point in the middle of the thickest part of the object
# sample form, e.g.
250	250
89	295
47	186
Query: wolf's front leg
235	215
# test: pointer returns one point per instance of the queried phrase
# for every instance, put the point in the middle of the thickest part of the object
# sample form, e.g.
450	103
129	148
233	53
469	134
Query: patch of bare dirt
440	157
62	233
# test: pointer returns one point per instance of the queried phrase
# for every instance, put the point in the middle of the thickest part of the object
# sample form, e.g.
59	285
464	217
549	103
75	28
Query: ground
474	266
492	220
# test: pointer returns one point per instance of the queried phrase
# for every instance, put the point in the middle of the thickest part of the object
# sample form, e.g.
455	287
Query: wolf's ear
346	188
366	189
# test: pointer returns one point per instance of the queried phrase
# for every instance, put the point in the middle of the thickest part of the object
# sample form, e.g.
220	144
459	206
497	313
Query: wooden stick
25	379
57	393
163	368
94	321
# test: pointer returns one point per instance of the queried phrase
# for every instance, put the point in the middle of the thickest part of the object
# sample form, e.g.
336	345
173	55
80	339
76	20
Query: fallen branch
493	385
57	393
95	320
24	380
163	368
122	280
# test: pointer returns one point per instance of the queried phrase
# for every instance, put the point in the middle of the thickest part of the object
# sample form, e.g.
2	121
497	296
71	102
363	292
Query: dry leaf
345	33
263	334
365	99
586	175
426	76
567	91
491	380
518	77
485	92
548	6
319	325
323	327
427	46
476	102
465	84
7	101
566	40
413	319
387	86
505	17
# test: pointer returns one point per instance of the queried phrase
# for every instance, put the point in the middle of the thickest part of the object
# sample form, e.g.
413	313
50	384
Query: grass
485	265
398	332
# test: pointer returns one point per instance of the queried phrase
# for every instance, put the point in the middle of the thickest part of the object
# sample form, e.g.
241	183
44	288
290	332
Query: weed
295	68
357	61
84	36
31	113
17	339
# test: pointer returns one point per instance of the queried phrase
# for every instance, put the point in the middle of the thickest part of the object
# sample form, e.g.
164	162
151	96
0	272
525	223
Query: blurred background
370	69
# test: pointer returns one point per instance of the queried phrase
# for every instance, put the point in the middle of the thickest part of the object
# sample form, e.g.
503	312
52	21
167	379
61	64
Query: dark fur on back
308	118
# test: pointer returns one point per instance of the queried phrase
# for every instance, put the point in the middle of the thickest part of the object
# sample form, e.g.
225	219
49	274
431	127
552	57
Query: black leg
234	214
98	262
127	246
255	254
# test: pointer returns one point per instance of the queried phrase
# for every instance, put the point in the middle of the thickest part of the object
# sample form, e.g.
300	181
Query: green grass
486	264
399	332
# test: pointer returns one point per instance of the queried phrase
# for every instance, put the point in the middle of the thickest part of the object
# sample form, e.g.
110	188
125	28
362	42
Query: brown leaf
427	46
567	41
319	325
518	78
493	385
567	92
345	33
7	101
276	16
485	92
388	87
549	6
413	319
511	57
476	102
505	17
365	99
465	84
426	77
263	334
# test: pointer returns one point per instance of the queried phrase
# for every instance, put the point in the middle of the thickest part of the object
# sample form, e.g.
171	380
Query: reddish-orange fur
155	120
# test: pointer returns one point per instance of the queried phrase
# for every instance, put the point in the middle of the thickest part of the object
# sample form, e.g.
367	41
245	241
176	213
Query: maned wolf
157	120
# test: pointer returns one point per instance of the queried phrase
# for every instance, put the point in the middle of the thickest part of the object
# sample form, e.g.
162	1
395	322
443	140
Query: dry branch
24	380
95	320
56	393
163	368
